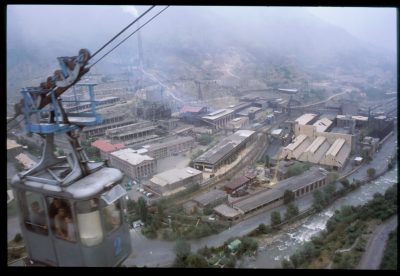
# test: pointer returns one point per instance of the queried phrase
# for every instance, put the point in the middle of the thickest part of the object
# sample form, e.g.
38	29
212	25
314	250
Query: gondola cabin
81	225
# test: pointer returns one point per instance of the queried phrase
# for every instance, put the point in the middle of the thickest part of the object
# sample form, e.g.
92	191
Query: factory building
238	123
134	165
225	152
169	148
220	118
105	147
211	199
133	134
314	144
249	112
87	106
193	114
173	181
300	185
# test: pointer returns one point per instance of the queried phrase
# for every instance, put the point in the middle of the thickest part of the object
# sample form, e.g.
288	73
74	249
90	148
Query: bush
345	182
205	139
371	172
297	168
275	218
291	211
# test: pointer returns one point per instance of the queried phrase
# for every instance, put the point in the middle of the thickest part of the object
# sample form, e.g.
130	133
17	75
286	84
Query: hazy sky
373	25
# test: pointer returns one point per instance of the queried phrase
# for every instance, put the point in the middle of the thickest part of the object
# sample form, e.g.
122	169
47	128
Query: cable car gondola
72	211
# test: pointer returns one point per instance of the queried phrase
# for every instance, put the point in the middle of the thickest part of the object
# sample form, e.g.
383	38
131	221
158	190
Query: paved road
156	253
376	245
380	159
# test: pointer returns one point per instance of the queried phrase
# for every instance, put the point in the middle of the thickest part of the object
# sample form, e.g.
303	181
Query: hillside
243	48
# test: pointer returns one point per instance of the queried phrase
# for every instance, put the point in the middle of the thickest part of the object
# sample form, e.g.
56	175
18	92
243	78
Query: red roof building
106	147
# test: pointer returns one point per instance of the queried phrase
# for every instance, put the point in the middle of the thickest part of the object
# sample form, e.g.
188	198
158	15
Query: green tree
195	260
182	251
205	139
288	196
371	172
345	182
275	218
319	200
142	209
291	211
264	229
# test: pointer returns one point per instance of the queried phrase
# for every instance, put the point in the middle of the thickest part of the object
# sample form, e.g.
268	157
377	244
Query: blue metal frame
58	126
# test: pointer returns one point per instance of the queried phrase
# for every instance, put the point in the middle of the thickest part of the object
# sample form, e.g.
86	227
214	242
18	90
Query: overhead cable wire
123	30
128	36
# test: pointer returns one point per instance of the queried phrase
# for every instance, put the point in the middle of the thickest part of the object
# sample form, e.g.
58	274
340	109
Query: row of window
310	188
55	216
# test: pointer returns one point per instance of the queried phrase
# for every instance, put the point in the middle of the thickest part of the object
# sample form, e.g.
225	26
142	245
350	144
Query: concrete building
370	144
192	114
108	123
225	152
296	148
238	123
361	121
189	207
306	119
227	213
300	185
337	154
220	118
263	104
168	124
323	125
13	149
314	144
173	181
105	147
249	112
211	199
134	165
133	134
345	122
239	183
169	148
87	106
240	106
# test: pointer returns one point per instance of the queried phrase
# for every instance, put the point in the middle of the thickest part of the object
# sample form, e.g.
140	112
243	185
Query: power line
123	30
129	36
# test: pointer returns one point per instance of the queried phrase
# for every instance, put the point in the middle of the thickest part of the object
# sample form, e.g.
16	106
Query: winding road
376	245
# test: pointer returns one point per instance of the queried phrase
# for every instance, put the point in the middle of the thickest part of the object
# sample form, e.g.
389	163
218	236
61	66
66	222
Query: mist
195	42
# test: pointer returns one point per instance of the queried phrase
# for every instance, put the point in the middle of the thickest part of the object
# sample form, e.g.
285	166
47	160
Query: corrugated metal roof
174	175
305	118
336	146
